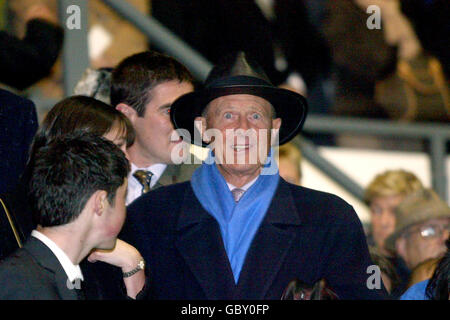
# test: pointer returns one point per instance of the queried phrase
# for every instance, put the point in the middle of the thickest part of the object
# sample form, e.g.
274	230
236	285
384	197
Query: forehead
439	221
239	101
434	222
388	200
167	92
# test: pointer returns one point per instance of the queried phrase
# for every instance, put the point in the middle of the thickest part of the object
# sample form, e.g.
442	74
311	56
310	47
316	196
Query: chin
108	245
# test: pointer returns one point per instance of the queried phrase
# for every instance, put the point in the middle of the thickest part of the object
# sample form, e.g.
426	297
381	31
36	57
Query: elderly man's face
238	153
423	241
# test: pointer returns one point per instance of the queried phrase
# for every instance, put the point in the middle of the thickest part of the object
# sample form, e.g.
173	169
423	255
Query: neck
238	179
73	243
137	158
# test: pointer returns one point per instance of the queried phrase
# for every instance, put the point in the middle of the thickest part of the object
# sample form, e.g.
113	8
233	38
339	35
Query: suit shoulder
312	196
10	100
20	276
163	198
323	205
187	169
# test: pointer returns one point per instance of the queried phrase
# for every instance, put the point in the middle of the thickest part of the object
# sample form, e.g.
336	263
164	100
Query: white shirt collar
73	271
245	186
135	188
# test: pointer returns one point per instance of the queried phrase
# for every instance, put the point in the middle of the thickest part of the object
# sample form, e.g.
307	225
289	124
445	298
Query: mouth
175	141
240	147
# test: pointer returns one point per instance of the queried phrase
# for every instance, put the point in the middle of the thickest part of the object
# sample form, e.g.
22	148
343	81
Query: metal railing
166	41
436	134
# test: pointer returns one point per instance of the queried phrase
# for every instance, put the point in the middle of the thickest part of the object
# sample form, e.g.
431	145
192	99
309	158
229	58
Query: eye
429	231
256	116
228	115
167	111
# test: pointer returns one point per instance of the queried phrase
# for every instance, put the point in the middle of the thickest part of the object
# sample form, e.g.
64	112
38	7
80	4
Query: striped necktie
237	194
144	177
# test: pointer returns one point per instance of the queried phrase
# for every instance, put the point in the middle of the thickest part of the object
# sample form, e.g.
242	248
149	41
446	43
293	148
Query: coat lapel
200	243
270	246
169	176
46	259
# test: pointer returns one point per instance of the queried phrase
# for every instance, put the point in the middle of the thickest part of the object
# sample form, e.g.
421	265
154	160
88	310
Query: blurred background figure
436	288
29	58
110	39
95	83
289	163
366	58
18	125
389	275
422	227
383	194
391	72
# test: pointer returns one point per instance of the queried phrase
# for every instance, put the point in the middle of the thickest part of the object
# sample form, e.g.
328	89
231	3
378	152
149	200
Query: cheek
116	224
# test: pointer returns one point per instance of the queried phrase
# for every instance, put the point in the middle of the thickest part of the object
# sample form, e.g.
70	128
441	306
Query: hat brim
291	107
391	240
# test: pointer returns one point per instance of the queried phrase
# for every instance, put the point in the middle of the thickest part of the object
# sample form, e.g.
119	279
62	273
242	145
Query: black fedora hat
238	74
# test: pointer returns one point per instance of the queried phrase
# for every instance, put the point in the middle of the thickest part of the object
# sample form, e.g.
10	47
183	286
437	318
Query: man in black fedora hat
237	230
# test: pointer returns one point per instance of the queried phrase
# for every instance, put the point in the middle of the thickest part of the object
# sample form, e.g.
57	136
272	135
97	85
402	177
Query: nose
243	123
387	219
445	234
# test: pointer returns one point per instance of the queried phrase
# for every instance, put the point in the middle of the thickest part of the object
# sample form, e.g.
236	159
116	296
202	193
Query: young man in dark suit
237	230
78	189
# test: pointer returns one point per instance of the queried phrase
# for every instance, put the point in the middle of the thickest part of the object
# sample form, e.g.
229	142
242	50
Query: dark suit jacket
18	125
305	234
34	273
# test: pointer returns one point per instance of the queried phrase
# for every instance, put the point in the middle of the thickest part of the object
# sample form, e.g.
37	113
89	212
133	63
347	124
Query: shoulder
318	205
10	100
161	196
187	169
163	201
15	111
17	272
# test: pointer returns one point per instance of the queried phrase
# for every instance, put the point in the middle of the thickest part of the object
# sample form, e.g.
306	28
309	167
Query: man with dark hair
143	87
78	188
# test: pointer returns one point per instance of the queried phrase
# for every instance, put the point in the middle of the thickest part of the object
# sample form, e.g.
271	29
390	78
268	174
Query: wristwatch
140	266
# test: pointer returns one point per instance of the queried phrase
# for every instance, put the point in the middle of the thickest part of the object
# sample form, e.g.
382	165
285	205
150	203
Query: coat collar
200	243
46	259
169	176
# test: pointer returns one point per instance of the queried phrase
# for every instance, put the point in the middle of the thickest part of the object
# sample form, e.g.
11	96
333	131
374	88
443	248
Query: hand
123	255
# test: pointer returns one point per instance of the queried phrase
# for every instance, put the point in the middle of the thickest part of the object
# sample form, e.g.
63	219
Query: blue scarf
238	221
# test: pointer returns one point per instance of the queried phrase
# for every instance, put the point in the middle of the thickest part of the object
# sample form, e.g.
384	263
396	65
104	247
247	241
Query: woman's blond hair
392	183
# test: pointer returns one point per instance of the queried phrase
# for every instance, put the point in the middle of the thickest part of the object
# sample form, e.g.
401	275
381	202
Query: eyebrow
165	106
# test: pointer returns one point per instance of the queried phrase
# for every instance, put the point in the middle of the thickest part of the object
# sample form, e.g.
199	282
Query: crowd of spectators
323	51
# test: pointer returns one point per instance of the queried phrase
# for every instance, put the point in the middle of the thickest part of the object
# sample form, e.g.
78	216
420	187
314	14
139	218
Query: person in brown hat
422	227
237	230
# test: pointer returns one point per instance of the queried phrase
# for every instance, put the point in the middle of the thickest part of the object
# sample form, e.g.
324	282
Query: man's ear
276	124
200	125
99	199
128	111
